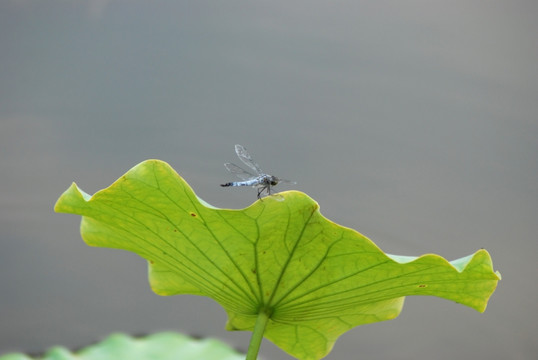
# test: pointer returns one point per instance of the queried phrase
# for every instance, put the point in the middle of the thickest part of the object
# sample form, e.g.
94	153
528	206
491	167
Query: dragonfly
259	180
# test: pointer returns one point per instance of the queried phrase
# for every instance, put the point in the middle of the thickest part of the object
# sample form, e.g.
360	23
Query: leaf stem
257	335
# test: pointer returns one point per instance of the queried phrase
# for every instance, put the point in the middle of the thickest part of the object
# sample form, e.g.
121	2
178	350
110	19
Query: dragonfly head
273	180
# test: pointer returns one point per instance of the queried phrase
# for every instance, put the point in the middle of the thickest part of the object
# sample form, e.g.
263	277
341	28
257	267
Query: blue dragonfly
259	180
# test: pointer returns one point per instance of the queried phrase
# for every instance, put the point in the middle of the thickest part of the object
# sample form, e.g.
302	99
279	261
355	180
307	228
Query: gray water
414	122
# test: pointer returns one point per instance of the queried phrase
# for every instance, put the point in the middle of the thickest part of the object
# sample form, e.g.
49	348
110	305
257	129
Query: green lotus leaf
312	279
160	346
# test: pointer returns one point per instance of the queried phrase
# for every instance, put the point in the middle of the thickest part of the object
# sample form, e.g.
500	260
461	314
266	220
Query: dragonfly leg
261	190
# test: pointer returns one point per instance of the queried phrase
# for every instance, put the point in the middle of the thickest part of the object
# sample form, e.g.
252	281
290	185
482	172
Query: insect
260	180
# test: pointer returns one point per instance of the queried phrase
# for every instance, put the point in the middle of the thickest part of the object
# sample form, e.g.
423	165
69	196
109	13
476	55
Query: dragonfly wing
237	171
245	157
